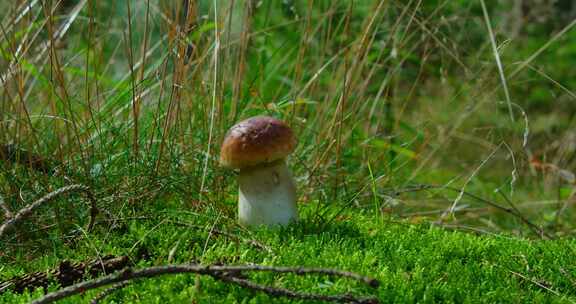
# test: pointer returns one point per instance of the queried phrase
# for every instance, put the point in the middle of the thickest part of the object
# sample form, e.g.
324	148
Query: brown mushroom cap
257	140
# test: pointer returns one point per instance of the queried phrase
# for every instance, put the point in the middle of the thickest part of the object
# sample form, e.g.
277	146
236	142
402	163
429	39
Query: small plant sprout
258	148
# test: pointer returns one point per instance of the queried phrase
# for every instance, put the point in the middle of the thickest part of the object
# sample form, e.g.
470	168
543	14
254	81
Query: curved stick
223	273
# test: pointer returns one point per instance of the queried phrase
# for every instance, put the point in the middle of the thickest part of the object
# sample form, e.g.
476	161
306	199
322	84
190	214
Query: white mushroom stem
267	195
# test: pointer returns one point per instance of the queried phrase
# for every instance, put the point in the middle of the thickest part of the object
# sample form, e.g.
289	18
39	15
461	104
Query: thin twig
109	291
215	271
469	179
538	230
539	284
532	226
48	197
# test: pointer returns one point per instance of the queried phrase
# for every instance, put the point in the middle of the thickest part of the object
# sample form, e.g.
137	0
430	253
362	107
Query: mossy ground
414	263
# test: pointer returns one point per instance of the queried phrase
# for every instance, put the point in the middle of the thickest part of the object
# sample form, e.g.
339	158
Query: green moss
415	263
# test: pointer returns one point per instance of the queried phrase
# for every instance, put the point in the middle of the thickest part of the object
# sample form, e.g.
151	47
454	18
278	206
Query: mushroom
258	147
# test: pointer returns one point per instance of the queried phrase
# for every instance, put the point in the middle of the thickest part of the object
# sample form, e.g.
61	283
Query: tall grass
134	97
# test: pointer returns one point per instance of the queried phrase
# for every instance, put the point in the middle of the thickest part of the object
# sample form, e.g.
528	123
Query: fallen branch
48	197
222	273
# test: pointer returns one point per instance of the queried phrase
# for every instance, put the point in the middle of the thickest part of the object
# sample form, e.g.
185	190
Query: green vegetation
421	161
413	262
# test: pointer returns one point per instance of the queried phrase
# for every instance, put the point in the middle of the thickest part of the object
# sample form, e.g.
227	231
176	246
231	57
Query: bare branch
216	272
